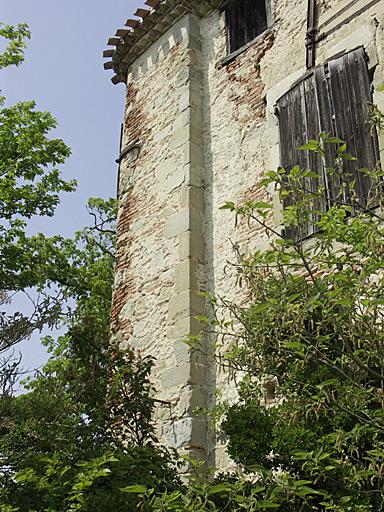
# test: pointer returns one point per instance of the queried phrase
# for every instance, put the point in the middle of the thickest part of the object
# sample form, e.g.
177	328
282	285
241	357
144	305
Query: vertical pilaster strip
189	430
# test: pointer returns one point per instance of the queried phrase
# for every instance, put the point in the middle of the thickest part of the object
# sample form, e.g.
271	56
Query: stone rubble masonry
208	133
160	250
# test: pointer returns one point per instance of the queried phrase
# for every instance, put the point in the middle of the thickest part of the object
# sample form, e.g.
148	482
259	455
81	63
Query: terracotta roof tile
132	23
142	13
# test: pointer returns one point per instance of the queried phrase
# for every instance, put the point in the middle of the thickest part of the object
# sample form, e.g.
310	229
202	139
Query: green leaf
295	345
267	504
134	489
262	205
228	206
334	140
259	308
220	488
312	145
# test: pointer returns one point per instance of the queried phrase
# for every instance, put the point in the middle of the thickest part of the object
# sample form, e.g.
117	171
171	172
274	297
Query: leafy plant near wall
313	323
311	326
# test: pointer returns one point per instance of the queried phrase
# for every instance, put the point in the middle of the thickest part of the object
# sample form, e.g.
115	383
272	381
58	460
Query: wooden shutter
333	99
351	95
255	18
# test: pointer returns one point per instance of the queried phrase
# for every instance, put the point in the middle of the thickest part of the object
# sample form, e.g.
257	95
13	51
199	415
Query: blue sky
63	72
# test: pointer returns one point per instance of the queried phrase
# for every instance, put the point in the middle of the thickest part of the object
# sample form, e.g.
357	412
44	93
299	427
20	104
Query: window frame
269	4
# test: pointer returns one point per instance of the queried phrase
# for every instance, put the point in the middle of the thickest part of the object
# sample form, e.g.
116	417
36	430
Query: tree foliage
30	185
84	429
13	55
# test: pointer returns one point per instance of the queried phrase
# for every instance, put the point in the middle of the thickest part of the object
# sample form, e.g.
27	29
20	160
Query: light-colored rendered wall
209	132
241	129
160	248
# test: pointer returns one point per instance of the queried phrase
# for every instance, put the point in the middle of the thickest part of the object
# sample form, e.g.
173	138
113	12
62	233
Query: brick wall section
135	120
243	84
123	288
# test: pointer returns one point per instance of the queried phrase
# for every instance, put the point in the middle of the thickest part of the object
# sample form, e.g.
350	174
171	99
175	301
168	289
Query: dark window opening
334	99
245	20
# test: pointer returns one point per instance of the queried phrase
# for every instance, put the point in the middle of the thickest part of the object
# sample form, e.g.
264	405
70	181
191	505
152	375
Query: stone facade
200	129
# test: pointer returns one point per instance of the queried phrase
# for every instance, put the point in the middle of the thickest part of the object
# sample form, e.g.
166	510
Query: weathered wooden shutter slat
292	127
325	113
231	20
257	18
343	115
314	92
242	13
262	17
326	125
245	14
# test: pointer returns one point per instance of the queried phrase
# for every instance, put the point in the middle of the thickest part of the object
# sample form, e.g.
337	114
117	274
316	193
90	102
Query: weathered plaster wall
240	96
208	134
160	249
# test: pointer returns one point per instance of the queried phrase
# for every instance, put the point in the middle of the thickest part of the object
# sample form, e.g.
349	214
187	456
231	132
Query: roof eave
132	42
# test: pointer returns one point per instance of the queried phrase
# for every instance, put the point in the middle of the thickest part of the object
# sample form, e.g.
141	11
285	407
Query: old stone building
217	93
